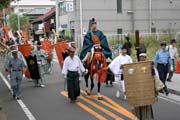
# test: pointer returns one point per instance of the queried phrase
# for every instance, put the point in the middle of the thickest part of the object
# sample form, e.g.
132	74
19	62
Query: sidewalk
2	116
174	86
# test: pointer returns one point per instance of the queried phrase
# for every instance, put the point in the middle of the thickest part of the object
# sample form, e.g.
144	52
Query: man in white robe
116	68
72	70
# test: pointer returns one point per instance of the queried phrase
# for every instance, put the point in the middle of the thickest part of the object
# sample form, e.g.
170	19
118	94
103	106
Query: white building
119	16
32	8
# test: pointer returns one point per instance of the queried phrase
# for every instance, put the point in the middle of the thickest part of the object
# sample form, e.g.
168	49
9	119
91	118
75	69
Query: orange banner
60	48
6	31
25	36
46	45
26	51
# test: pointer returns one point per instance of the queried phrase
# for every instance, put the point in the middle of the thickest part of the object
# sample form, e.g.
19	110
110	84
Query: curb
174	91
2	115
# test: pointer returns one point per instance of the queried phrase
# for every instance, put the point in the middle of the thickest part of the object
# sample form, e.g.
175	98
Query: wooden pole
137	44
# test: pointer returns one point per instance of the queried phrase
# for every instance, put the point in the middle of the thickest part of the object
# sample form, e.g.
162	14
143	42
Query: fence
150	40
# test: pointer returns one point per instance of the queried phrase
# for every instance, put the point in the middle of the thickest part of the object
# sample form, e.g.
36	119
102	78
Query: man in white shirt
72	69
116	68
174	55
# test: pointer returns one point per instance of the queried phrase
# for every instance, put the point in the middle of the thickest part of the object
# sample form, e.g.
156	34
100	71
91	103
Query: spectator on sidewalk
174	55
163	60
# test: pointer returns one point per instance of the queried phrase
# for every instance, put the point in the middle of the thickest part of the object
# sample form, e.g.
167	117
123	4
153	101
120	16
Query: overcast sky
35	2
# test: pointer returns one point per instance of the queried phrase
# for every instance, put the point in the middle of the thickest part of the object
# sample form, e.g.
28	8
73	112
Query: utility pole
18	16
81	20
57	18
132	15
137	44
150	15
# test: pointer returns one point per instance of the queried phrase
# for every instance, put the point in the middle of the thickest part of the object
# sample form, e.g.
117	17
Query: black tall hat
163	43
142	48
93	21
39	43
124	47
173	41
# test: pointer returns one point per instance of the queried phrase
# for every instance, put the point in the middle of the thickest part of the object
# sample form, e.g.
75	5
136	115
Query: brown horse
96	63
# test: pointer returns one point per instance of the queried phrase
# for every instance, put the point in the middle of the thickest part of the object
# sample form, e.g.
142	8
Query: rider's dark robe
88	44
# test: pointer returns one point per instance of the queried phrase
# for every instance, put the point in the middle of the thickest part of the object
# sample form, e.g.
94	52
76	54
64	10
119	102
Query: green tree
4	3
13	22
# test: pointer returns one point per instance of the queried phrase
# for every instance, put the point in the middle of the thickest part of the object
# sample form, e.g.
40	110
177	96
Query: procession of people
95	63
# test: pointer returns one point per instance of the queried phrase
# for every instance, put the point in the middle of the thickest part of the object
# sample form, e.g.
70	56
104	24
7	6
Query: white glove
65	76
24	76
171	69
86	72
108	60
79	79
8	76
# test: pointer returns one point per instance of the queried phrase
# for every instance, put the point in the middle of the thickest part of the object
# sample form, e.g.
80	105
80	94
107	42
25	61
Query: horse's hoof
87	92
100	98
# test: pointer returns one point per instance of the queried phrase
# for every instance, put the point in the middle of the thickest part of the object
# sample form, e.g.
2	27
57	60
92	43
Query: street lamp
57	16
18	16
81	20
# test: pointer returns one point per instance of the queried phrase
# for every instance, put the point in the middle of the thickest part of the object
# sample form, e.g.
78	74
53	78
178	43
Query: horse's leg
86	80
99	88
86	77
92	84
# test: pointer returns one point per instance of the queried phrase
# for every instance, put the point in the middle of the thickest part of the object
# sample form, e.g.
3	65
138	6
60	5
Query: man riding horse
94	44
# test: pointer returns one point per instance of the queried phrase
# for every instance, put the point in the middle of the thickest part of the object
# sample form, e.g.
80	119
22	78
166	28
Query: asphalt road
50	103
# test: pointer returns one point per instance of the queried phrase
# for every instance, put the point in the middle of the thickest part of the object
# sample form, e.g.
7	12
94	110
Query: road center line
20	102
118	109
98	116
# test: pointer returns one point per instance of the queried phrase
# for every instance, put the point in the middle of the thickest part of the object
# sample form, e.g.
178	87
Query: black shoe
169	80
72	101
0	108
76	100
14	97
111	85
161	91
166	91
18	98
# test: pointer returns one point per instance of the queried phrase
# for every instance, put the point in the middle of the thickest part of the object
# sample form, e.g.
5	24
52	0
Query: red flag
26	51
46	45
6	31
60	48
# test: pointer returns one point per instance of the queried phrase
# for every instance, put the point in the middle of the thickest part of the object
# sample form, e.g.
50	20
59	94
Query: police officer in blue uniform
162	60
16	69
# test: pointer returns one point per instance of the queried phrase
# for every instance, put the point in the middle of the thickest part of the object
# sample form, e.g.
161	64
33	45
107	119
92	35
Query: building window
153	30
62	9
119	31
119	6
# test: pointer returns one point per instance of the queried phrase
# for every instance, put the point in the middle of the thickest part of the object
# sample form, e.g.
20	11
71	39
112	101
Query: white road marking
169	100
162	97
21	103
55	60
